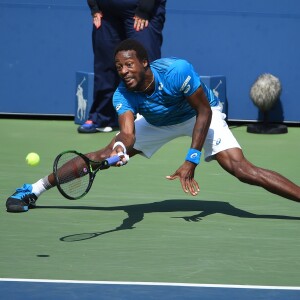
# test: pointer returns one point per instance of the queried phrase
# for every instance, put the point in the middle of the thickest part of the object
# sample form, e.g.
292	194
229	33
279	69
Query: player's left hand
186	176
139	23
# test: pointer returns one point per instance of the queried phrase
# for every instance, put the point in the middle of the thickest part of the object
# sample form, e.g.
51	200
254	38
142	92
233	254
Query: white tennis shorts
150	138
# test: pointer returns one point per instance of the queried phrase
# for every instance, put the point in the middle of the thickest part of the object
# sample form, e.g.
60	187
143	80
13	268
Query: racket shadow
136	213
127	224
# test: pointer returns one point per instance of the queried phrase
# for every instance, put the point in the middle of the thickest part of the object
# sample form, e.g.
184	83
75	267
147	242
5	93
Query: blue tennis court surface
23	289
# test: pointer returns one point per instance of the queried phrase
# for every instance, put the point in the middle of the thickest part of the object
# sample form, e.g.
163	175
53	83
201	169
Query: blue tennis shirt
175	79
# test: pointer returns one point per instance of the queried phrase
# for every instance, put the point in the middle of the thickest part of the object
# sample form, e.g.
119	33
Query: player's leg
234	162
26	196
220	144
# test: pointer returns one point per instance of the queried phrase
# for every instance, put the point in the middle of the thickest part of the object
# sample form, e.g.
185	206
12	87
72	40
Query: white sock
41	186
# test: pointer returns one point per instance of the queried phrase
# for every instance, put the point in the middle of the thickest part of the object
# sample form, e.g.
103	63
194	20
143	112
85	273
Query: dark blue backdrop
44	43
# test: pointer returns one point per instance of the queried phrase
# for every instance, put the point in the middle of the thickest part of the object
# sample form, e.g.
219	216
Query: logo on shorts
218	141
118	107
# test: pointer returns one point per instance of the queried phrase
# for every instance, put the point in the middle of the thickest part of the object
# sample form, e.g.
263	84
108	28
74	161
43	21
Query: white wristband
119	144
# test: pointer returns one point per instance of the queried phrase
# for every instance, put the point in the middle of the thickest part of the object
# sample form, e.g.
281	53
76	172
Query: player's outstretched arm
185	173
125	139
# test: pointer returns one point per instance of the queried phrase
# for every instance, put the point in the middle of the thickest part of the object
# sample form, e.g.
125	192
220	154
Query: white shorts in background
150	138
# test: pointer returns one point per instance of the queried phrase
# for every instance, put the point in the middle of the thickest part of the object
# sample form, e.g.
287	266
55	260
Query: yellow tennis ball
33	159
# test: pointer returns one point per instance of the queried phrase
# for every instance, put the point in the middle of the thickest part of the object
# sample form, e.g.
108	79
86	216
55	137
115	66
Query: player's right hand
124	158
97	19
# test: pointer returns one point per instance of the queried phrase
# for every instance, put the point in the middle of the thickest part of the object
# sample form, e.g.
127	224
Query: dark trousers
117	25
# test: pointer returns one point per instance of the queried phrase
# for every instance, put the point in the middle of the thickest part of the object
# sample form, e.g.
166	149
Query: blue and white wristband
193	156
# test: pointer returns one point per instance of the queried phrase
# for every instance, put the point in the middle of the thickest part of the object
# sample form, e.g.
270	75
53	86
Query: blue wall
240	39
45	42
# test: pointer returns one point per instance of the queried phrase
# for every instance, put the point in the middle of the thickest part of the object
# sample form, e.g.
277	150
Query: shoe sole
87	131
104	129
17	208
14	206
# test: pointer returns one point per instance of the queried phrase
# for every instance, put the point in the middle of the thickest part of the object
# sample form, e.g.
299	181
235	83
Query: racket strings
73	174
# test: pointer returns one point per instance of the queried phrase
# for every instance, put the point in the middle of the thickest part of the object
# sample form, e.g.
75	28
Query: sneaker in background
88	127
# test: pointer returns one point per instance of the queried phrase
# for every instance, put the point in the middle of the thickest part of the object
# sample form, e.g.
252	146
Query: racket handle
113	160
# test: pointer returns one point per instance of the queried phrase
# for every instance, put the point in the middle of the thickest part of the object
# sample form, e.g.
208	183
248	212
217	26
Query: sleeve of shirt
183	79
145	8
121	102
93	6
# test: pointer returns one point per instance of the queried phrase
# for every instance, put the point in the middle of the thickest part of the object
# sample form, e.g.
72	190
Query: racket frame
105	164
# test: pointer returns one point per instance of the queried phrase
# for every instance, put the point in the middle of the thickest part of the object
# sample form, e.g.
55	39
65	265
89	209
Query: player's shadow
136	213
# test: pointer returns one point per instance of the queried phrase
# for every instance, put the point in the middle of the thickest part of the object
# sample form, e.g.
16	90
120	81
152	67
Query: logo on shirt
160	86
118	107
185	87
188	87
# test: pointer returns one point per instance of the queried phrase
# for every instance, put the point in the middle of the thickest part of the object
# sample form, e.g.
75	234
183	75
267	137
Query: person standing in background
114	21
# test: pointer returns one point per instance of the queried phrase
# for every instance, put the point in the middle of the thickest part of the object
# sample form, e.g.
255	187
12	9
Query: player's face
131	69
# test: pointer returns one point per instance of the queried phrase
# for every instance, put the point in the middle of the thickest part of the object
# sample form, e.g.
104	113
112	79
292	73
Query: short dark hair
131	44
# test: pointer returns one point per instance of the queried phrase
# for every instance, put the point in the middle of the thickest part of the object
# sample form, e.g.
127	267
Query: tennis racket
74	172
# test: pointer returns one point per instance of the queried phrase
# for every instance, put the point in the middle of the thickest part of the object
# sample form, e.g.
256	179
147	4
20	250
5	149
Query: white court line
231	286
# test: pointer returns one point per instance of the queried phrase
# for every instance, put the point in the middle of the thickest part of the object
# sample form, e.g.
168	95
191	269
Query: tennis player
157	103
